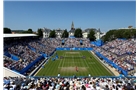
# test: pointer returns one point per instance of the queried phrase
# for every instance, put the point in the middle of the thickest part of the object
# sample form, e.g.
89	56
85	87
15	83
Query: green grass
66	66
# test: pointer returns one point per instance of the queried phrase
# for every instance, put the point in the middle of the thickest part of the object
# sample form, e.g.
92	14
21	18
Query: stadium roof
18	35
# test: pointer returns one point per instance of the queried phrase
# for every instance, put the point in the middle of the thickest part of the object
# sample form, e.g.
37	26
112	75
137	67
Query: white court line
85	61
60	62
73	60
80	59
64	59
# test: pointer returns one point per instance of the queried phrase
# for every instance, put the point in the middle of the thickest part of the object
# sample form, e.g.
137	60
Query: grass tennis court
67	62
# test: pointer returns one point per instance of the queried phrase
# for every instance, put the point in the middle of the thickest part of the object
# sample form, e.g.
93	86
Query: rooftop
18	35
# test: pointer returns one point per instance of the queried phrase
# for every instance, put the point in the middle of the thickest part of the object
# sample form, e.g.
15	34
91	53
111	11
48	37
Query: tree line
8	31
110	35
120	33
65	34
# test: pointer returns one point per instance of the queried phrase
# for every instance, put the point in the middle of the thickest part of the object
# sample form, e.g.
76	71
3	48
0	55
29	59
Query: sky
106	15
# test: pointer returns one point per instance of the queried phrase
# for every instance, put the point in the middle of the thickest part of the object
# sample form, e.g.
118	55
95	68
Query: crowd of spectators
19	48
25	55
77	42
121	52
121	47
65	83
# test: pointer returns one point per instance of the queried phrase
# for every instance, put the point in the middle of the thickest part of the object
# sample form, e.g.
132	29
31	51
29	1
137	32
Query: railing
74	76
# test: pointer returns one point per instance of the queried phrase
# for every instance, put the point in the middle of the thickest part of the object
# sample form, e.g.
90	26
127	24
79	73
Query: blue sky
105	15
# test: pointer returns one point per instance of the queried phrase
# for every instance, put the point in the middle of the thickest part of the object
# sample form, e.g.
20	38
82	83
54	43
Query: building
71	32
87	31
59	32
97	34
46	32
102	34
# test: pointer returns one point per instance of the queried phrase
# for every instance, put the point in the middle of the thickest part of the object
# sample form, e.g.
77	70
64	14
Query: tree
133	33
39	32
127	34
17	31
52	34
103	38
121	33
65	34
30	31
7	30
110	35
91	35
78	33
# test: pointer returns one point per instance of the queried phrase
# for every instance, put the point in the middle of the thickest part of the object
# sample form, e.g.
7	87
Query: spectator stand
98	43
